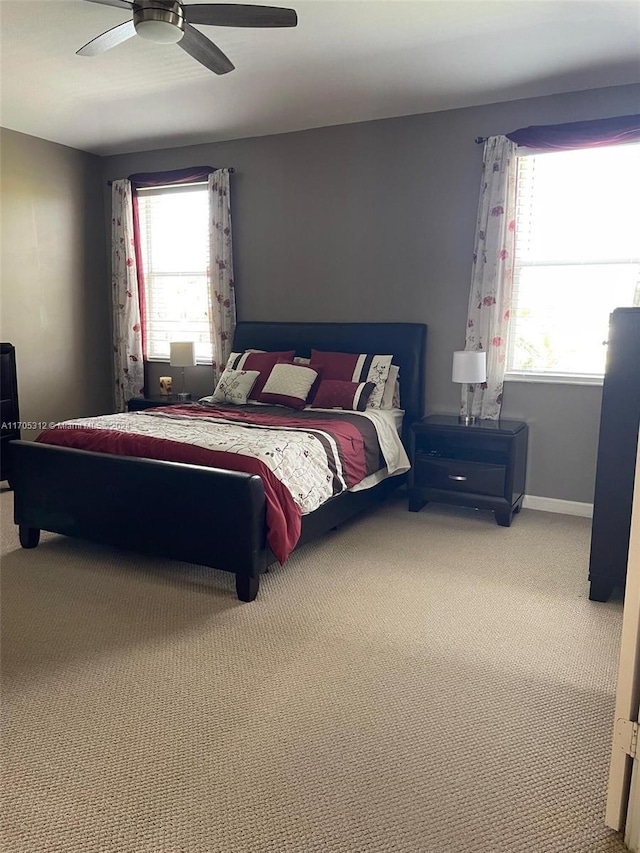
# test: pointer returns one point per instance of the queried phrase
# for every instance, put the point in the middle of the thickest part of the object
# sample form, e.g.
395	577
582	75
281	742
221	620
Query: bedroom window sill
554	378
166	361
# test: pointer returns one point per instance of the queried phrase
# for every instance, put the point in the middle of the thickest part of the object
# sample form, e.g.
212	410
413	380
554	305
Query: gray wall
55	303
376	221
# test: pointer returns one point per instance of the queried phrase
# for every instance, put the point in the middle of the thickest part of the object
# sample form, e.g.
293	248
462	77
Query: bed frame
185	511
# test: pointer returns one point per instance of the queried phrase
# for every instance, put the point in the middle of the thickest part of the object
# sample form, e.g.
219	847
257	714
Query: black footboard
186	512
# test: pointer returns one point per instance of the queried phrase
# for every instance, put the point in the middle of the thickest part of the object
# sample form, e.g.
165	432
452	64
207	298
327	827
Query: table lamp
469	368
182	354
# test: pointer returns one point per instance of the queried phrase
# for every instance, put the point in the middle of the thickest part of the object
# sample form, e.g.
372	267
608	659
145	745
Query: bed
193	512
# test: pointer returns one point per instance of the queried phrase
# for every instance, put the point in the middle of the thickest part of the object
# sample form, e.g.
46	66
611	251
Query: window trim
555	378
163	190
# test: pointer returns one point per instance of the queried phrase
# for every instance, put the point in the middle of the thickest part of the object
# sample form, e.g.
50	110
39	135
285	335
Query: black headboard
405	341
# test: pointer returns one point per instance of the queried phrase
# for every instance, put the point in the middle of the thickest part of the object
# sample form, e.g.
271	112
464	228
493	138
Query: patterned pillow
258	360
234	387
288	385
351	367
395	404
339	394
391	393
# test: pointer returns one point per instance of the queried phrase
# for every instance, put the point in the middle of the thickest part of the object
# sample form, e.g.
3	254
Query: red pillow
338	394
261	361
314	388
348	366
356	367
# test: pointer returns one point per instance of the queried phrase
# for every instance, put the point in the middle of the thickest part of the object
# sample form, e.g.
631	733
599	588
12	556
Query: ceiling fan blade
205	51
112	37
121	4
238	15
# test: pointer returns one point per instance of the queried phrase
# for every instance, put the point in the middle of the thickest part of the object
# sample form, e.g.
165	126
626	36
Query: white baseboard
557	505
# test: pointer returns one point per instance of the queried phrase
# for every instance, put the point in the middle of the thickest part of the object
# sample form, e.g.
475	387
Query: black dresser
9	413
617	445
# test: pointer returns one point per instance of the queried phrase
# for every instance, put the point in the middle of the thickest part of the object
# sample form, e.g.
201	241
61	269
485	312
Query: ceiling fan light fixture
171	22
160	32
160	21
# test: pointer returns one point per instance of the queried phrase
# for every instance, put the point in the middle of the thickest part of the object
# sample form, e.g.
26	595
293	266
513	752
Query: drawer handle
457	477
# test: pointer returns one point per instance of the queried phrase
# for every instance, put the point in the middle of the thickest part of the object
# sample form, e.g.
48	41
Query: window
174	244
577	258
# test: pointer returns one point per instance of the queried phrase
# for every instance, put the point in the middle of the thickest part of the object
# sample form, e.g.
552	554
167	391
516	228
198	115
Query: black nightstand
138	404
482	465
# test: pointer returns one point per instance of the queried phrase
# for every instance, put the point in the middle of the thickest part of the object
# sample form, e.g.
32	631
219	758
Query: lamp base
467	420
184	395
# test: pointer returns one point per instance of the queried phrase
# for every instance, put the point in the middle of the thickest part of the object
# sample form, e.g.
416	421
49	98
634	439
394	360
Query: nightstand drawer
471	446
460	476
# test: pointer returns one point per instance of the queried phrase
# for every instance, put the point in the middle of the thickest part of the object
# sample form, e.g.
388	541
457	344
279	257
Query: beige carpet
415	683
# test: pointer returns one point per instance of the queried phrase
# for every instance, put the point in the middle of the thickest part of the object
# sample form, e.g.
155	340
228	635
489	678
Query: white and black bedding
304	458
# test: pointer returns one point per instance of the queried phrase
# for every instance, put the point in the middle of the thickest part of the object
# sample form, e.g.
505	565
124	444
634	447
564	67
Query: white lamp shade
182	354
469	367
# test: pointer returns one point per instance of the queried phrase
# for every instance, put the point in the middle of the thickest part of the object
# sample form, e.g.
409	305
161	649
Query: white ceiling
346	61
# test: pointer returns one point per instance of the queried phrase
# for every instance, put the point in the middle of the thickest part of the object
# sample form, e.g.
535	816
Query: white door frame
628	690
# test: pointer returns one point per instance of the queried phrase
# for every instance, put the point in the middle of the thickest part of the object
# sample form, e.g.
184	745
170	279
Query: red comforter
321	454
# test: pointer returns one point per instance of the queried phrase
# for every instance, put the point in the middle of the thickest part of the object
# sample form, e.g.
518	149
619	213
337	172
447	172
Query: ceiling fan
170	22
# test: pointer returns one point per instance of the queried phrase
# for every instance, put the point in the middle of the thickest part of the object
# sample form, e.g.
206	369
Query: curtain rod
231	171
480	139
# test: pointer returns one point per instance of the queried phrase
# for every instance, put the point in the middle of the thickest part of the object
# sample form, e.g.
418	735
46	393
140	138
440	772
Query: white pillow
288	385
395	404
234	386
378	374
391	389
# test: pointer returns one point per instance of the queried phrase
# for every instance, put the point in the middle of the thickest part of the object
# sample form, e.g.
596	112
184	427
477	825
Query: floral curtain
222	300
127	328
492	275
